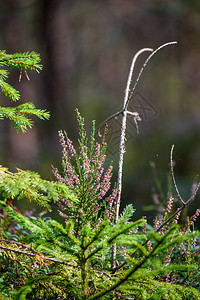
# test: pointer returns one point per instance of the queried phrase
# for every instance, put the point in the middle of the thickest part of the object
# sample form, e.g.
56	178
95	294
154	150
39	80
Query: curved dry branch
184	203
127	89
106	121
125	112
128	93
173	177
122	144
178	211
144	65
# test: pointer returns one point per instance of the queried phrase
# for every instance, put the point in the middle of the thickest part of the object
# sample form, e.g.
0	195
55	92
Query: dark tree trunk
54	37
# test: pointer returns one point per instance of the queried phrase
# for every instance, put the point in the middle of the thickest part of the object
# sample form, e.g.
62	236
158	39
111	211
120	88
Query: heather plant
84	172
95	252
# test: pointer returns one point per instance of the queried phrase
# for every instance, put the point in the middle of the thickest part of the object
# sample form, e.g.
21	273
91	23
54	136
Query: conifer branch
26	60
9	91
36	255
27	184
19	116
132	270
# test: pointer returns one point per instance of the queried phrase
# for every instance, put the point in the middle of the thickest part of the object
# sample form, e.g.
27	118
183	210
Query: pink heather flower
86	164
35	265
174	279
70	147
62	142
168	260
64	202
123	251
63	215
169	205
96	209
177	217
133	231
99	222
66	145
193	244
149	246
110	201
157	223
105	184
195	216
57	175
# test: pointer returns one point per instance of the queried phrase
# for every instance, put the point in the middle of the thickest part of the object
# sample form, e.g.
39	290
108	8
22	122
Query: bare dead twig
107	120
125	112
179	210
143	67
122	144
130	92
123	129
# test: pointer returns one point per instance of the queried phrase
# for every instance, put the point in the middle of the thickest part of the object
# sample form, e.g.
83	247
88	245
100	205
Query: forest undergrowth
95	251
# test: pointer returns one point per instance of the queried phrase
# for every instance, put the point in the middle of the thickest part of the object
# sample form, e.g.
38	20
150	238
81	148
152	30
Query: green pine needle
19	116
26	60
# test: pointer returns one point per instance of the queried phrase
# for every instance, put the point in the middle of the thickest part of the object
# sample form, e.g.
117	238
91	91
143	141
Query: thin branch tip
153	52
173	177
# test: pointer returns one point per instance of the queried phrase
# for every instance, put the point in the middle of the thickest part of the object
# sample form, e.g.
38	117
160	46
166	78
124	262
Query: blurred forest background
86	48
